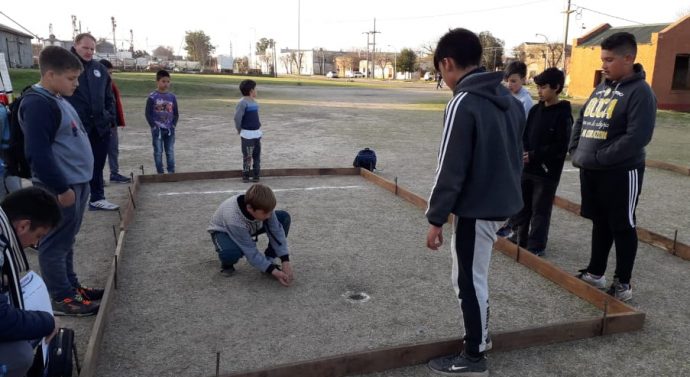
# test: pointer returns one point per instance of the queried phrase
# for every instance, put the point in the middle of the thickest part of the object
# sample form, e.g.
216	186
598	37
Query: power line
609	15
18	24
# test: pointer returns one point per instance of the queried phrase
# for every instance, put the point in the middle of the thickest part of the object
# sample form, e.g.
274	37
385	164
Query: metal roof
642	33
8	29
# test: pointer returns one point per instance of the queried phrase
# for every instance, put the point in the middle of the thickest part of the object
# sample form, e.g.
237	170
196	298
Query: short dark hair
246	86
516	67
621	43
552	77
81	36
34	204
106	63
59	60
461	45
162	73
260	197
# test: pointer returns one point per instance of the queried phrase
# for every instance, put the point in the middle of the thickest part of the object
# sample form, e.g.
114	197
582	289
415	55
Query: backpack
366	158
12	148
62	357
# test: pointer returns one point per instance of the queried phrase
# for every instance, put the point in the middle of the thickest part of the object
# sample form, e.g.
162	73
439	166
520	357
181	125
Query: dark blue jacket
93	99
15	322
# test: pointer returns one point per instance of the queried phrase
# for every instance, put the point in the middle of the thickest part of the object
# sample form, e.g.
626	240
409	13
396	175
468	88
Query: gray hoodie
480	157
615	124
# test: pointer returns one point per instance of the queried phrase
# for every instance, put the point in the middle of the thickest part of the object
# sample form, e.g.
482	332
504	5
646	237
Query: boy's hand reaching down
282	277
287	269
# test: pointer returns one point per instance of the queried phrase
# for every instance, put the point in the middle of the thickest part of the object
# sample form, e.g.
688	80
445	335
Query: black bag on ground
366	158
13	154
62	357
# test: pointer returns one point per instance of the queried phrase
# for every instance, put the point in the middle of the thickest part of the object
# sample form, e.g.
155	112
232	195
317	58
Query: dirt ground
173	311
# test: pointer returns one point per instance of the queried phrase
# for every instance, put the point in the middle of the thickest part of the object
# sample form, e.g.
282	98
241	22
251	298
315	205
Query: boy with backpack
545	144
59	154
239	221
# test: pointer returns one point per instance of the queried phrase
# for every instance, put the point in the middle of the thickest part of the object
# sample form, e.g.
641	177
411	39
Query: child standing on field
248	127
162	116
515	79
545	144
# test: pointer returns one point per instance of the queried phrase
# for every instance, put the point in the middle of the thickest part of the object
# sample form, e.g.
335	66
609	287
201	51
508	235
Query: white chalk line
274	190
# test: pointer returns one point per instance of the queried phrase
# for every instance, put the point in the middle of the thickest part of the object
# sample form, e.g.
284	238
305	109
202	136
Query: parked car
429	76
332	74
354	74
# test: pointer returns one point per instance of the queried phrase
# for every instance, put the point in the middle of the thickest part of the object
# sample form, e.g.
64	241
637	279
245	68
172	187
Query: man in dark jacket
477	180
95	104
608	145
26	216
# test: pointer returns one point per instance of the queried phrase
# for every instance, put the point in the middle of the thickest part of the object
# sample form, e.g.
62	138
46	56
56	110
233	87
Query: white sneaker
597	282
620	291
103	205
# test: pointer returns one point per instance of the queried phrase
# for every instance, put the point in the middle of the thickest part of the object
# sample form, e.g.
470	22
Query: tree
199	47
163	52
296	57
285	59
140	54
382	60
407	60
492	56
242	64
263	44
519	53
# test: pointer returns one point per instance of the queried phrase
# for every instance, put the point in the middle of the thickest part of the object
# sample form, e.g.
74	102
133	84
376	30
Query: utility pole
299	51
565	38
131	41
373	50
75	31
112	19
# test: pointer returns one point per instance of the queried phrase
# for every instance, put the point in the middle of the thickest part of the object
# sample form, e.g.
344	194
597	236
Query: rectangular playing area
173	311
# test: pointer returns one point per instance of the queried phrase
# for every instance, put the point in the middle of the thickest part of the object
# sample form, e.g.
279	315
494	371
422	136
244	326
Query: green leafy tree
264	44
199	47
492	56
407	60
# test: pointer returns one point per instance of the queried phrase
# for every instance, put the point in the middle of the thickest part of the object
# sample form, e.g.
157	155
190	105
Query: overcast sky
333	25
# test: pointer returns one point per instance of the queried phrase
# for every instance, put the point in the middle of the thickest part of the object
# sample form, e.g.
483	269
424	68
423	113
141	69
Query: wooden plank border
683	170
618	317
674	247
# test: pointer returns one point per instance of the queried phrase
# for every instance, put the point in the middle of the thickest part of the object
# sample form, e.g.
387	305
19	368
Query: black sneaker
118	178
537	252
256	179
245	179
459	365
91	294
76	306
505	231
227	270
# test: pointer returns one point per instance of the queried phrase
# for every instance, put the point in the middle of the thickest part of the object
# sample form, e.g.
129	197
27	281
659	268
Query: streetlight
367	33
547	46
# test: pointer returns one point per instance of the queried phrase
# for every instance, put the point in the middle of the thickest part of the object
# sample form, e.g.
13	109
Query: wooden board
668	166
225	174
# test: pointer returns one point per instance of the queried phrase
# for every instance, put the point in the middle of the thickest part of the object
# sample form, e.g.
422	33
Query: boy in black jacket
607	144
477	180
545	142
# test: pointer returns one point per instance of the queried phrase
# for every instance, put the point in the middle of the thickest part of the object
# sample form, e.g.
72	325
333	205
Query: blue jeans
99	147
229	252
163	140
113	152
56	249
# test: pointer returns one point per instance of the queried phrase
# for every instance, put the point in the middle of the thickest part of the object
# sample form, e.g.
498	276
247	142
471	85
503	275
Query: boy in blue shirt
248	124
515	79
162	116
59	153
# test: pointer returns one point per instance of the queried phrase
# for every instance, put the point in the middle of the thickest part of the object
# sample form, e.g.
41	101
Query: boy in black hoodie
545	142
477	180
607	144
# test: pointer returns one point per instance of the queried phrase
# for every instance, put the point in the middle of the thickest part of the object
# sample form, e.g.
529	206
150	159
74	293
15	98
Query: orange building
662	49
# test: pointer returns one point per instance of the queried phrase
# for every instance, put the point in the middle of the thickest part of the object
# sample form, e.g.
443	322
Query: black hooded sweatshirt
480	157
615	125
546	139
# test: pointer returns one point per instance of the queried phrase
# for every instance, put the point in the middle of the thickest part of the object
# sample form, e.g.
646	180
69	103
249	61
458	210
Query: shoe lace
79	298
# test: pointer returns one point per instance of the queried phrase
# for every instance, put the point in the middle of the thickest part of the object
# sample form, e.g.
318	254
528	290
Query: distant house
538	56
16	46
662	49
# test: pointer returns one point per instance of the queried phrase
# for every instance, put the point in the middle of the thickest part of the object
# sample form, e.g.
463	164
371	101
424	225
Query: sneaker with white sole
103	205
620	291
459	365
596	282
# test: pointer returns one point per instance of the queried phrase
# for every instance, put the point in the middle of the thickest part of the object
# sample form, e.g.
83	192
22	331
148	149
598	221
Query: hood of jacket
487	85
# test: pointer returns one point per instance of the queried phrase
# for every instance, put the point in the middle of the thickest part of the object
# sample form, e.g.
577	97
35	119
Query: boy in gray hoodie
477	180
608	145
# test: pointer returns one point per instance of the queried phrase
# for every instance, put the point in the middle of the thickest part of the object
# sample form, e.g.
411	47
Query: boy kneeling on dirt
236	225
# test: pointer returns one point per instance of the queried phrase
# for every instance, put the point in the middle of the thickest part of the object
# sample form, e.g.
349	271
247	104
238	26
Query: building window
681	74
598	77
